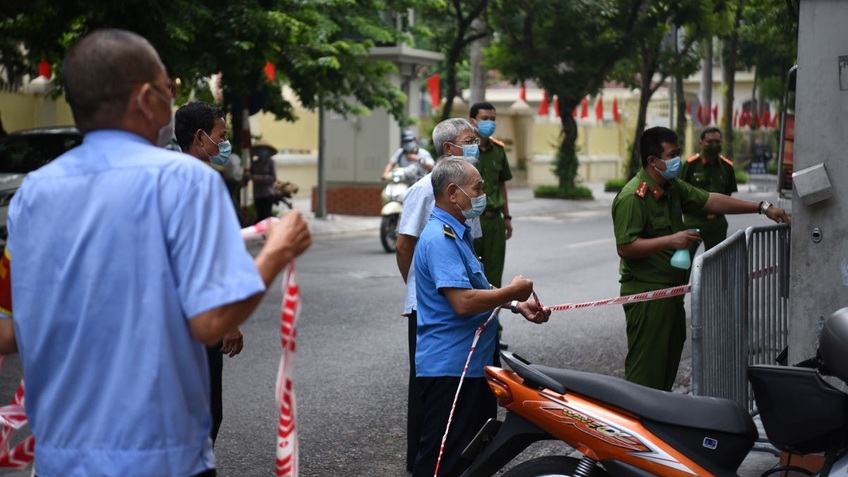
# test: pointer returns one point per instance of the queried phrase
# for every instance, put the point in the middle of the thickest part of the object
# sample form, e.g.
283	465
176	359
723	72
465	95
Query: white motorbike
392	197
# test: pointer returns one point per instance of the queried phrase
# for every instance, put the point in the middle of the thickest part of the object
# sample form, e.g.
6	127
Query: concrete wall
31	110
819	270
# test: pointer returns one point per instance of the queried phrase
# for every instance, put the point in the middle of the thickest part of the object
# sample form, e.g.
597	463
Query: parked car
25	151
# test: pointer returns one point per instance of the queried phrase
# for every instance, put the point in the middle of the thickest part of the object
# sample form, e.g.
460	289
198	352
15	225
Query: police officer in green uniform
496	223
712	172
648	223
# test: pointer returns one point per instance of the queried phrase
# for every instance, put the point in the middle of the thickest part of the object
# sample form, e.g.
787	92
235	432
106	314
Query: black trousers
476	405
263	207
216	372
414	406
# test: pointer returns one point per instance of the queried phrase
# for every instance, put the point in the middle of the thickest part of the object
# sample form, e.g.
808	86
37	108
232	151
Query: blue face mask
672	169
486	127
409	146
471	150
478	205
224	151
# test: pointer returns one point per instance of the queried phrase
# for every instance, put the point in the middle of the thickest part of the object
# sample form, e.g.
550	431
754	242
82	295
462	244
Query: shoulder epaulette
497	141
693	158
642	190
448	231
726	160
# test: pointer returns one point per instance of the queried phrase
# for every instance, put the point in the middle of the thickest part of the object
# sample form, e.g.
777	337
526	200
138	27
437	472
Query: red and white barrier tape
12	418
621	300
286	456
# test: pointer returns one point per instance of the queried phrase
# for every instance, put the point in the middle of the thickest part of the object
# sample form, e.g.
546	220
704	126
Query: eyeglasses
471	140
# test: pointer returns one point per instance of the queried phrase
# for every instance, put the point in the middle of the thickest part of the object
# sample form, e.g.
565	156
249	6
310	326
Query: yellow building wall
32	110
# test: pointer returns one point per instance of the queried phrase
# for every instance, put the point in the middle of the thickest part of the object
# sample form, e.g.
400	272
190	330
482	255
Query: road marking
590	243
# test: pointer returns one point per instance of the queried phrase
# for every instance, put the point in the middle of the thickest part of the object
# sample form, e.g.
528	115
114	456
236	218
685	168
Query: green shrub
741	177
554	192
771	168
614	185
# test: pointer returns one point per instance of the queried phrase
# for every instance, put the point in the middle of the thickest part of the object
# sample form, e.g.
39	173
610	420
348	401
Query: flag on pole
774	120
584	108
616	116
599	108
435	89
715	113
700	114
522	93
556	105
543	106
689	109
44	69
270	71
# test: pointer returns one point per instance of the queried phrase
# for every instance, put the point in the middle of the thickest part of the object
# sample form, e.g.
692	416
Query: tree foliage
569	47
319	47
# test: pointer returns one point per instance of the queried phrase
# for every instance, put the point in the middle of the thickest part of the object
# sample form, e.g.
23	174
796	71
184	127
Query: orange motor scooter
624	429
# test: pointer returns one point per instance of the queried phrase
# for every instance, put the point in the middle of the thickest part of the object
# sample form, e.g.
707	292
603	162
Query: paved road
351	358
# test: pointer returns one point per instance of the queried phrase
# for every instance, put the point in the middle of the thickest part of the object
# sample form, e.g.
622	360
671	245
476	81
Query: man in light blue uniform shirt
454	299
448	137
123	267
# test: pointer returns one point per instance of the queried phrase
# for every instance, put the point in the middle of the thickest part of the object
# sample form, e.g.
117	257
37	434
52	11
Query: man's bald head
100	71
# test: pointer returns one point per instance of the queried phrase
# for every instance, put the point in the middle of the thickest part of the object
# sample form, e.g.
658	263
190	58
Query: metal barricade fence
739	306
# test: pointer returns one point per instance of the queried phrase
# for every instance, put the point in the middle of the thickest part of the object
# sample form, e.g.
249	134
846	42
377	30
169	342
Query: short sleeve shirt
445	258
719	177
417	206
644	209
115	246
494	169
416	168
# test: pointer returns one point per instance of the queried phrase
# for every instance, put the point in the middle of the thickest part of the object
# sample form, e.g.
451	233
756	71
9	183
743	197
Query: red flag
745	118
522	93
736	118
434	86
556	105
700	114
689	109
766	118
599	109
616	116
774	120
715	113
44	69
270	71
543	106
574	113
584	108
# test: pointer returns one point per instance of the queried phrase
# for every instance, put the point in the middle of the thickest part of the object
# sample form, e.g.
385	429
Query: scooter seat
699	412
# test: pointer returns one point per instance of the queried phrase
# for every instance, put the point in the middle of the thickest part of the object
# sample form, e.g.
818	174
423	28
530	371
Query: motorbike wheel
549	466
389	232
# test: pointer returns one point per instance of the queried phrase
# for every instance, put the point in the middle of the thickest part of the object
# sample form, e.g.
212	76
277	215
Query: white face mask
166	132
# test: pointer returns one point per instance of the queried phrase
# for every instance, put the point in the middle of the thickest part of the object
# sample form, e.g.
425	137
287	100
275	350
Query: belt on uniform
492	213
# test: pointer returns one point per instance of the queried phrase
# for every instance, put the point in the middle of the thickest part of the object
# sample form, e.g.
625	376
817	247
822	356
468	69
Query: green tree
660	54
450	24
568	47
319	47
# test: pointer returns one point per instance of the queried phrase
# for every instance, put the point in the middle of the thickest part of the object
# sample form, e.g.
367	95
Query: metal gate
739	306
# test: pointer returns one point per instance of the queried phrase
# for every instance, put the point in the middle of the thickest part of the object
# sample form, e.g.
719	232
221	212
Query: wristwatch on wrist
764	206
507	217
514	306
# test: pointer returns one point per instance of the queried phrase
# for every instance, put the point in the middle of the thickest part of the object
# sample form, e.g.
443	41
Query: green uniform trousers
713	232
491	247
656	331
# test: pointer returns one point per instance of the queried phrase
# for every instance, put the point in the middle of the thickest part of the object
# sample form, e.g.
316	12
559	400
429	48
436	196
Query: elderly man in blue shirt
126	259
454	299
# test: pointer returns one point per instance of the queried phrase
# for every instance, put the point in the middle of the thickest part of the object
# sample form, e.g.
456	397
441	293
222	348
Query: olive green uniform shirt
719	177
494	169
647	210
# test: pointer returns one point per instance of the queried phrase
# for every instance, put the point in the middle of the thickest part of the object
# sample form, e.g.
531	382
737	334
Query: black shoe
503	346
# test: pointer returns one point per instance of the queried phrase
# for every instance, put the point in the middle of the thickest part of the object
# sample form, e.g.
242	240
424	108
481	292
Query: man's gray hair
447	131
448	171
